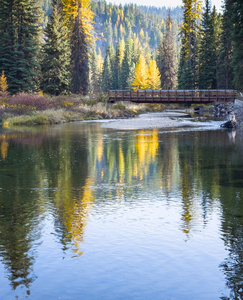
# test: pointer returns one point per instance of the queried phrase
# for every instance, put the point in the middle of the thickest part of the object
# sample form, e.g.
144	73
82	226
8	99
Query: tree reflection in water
65	172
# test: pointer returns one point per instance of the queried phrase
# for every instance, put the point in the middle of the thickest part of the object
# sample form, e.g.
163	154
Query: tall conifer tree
225	70
107	81
18	43
79	57
188	67
237	62
128	65
166	57
208	49
79	18
118	64
96	71
56	59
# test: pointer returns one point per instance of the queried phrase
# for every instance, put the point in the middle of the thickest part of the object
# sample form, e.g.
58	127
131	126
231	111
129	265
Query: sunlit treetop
81	8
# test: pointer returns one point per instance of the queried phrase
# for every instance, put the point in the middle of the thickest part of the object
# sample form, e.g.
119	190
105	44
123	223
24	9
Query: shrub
3	83
23	103
119	106
66	102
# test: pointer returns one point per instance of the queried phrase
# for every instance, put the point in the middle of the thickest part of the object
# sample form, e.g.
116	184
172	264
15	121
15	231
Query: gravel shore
168	120
163	120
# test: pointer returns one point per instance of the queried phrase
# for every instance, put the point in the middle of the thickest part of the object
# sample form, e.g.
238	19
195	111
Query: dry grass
64	109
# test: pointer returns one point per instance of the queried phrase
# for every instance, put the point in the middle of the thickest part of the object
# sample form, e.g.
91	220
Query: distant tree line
211	54
56	47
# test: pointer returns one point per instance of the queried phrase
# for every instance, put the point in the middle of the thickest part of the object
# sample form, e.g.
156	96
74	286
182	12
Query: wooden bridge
173	96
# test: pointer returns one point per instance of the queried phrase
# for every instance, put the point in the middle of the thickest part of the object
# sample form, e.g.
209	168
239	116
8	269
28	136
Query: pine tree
167	57
96	70
209	48
140	75
56	62
237	37
153	75
118	64
18	43
79	17
107	81
79	58
188	67
225	71
128	65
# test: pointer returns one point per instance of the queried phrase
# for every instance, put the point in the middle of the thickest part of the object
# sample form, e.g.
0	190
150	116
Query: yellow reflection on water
100	147
4	148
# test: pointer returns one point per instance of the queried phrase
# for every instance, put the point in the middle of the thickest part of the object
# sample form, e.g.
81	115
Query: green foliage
128	65
18	44
107	80
96	71
166	58
188	67
114	23
56	56
224	68
237	37
119	56
79	58
209	48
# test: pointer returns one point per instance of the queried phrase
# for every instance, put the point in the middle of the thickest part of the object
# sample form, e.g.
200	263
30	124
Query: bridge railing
173	96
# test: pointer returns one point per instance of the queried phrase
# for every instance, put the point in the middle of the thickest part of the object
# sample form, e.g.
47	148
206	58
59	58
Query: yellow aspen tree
142	35
121	29
100	63
140	75
118	20
3	83
153	75
100	68
122	15
121	51
81	8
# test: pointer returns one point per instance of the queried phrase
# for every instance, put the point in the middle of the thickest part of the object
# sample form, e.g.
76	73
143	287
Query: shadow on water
63	172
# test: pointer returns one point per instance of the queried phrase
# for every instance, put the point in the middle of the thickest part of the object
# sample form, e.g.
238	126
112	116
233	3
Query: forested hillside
116	22
147	24
79	46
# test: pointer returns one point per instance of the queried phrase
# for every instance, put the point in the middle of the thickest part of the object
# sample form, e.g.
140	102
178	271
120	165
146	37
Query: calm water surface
89	213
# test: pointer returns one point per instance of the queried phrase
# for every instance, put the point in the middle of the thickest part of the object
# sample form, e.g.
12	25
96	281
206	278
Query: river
88	212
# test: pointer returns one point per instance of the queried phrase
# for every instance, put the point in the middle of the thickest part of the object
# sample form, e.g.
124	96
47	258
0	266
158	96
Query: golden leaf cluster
146	76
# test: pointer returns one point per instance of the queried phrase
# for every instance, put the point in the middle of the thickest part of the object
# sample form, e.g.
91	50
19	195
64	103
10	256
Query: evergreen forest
82	47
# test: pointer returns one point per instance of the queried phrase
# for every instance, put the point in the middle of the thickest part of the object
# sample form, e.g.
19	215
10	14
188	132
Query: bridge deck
173	96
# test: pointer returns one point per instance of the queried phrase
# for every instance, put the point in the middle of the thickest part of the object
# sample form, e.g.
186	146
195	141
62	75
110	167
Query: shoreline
122	116
171	119
164	120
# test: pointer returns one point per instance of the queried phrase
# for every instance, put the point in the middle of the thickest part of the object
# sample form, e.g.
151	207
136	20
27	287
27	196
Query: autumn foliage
3	83
146	76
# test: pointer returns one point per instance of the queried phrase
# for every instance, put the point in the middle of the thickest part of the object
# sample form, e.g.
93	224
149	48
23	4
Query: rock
230	124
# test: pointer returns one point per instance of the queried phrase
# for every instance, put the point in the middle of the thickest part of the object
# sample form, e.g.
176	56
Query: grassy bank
26	109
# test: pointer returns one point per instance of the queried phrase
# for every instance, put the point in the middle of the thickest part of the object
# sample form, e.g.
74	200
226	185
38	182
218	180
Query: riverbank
172	119
25	109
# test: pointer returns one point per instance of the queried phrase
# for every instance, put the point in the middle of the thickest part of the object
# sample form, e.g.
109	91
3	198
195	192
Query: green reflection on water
66	170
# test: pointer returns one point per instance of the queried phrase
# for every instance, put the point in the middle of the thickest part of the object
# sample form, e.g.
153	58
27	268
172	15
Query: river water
94	213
